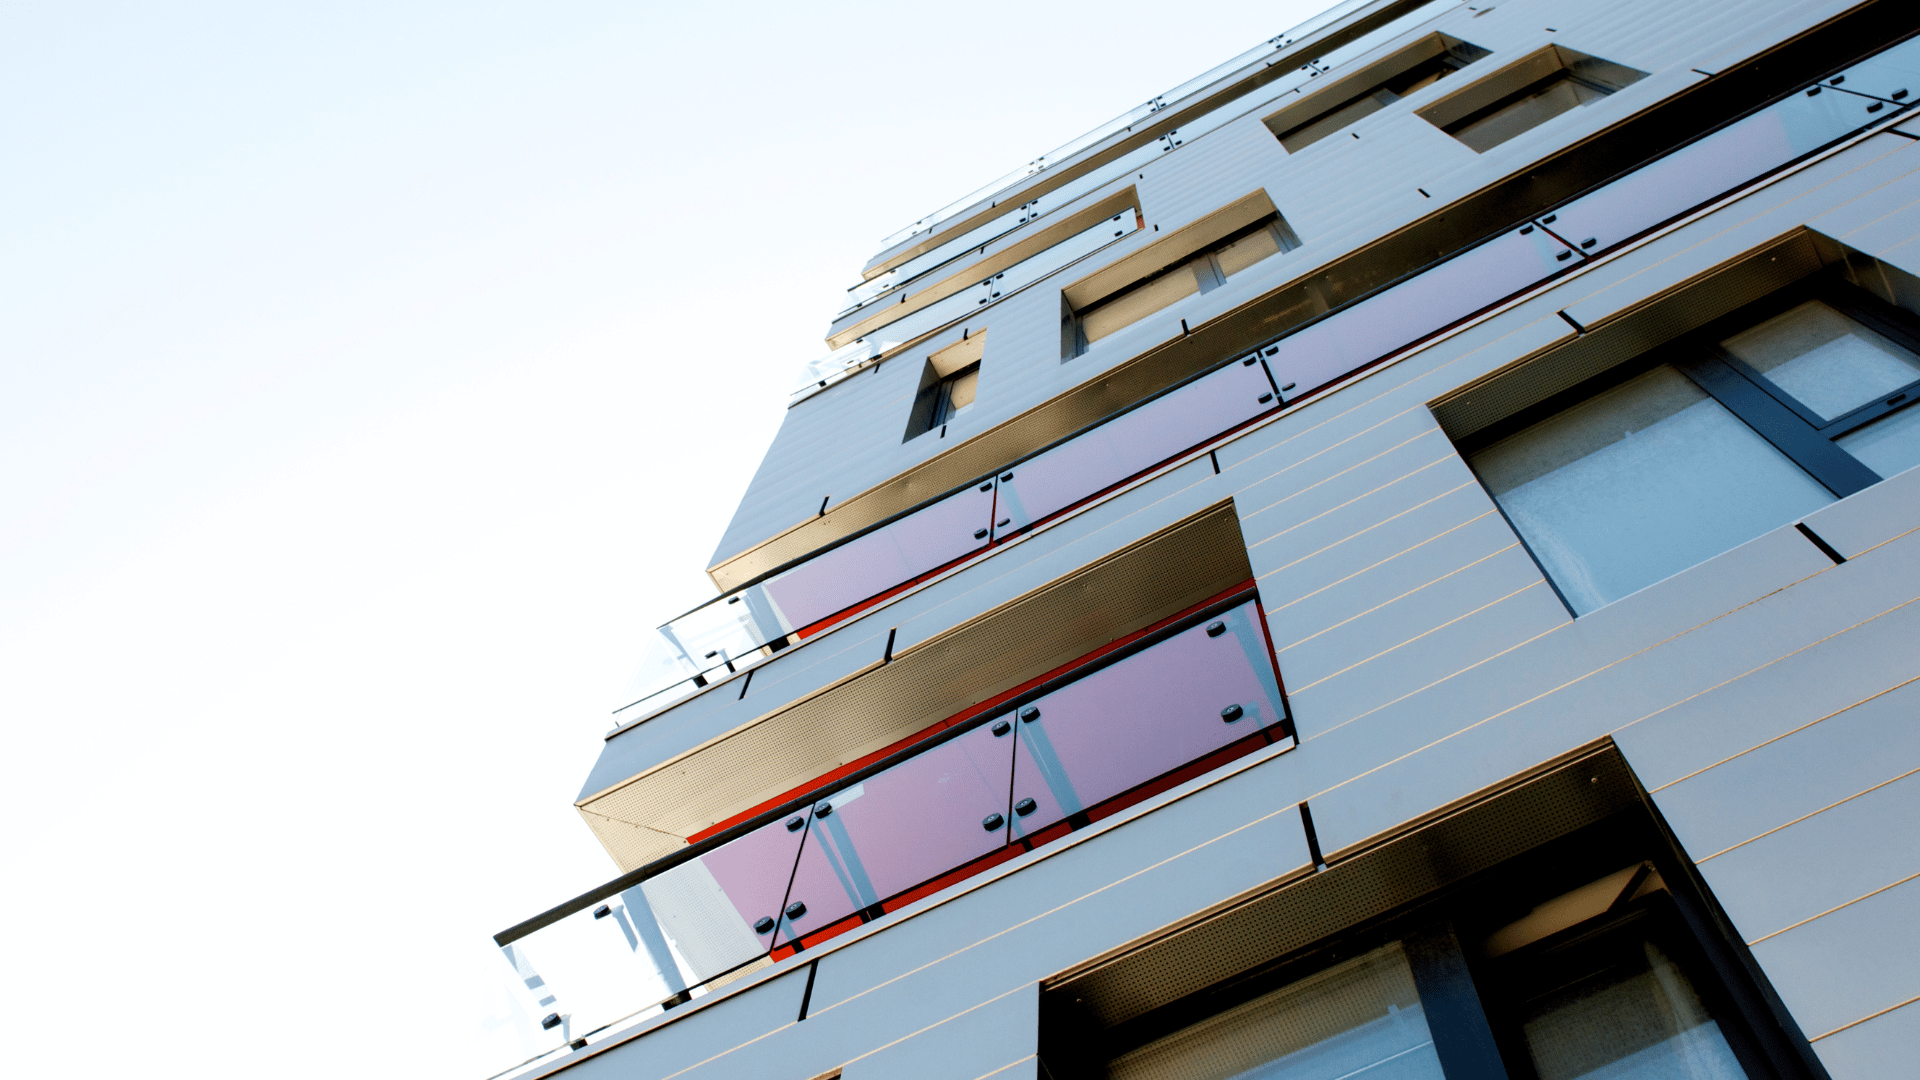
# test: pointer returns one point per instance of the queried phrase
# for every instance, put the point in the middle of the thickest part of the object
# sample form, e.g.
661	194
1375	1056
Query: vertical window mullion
1462	1036
1838	470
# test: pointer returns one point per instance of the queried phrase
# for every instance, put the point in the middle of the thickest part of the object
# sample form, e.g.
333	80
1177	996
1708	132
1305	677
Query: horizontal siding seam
1402	596
1337	507
1374	566
1836	907
1417	637
1582	678
1016	989
1760	667
1334	476
1362	532
1784	734
1864	1019
1815	813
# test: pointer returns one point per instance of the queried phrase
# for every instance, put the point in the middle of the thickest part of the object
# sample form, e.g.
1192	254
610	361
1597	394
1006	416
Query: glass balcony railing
1657	192
744	627
1161	102
850	358
978	790
735	631
1182	700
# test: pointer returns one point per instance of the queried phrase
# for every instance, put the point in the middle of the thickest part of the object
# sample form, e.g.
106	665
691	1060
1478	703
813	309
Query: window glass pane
1636	1017
1136	304
960	394
1360	1019
1536	107
1143	717
1247	250
1831	363
1639	483
1312	132
1889	445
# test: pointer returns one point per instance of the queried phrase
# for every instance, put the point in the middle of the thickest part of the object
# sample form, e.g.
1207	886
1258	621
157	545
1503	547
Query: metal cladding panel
1832	865
1581	682
996	1039
1882	1046
1844	713
1305	504
1398	572
1457	591
1849	964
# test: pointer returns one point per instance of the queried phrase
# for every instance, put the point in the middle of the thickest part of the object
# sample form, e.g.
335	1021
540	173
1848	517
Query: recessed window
948	385
1743	426
1582	958
1526	94
1619	990
1335	106
1201	272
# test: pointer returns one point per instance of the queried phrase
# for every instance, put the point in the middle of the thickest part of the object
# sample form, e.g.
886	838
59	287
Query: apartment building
1395	558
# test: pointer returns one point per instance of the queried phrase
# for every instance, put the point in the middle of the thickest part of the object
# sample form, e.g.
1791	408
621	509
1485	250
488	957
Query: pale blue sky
373	377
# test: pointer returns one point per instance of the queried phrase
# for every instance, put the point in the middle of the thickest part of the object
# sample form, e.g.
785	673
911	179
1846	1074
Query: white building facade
1394	559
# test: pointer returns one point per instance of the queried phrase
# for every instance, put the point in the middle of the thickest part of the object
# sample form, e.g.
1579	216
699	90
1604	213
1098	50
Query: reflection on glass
1638	1018
1247	250
1143	717
1528	110
1639	483
1889	445
1139	302
1361	1020
1831	363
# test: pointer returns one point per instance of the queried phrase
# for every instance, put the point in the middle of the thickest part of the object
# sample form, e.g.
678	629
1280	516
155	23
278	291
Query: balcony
1119	725
832	583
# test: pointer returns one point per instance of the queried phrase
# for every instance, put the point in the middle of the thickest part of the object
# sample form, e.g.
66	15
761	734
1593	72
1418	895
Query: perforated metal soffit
1443	848
646	817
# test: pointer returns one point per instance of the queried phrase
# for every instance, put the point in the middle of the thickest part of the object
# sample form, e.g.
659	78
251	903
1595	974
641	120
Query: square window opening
1196	274
949	383
1371	89
1526	94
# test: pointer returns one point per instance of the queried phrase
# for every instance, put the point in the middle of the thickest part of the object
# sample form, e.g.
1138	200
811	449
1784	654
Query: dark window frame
1770	411
1472	1003
1773	413
1204	264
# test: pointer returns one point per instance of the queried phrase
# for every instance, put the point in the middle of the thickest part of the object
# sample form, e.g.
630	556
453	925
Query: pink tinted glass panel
1132	442
902	827
1424	304
1711	167
754	870
1144	716
888	556
1896	71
